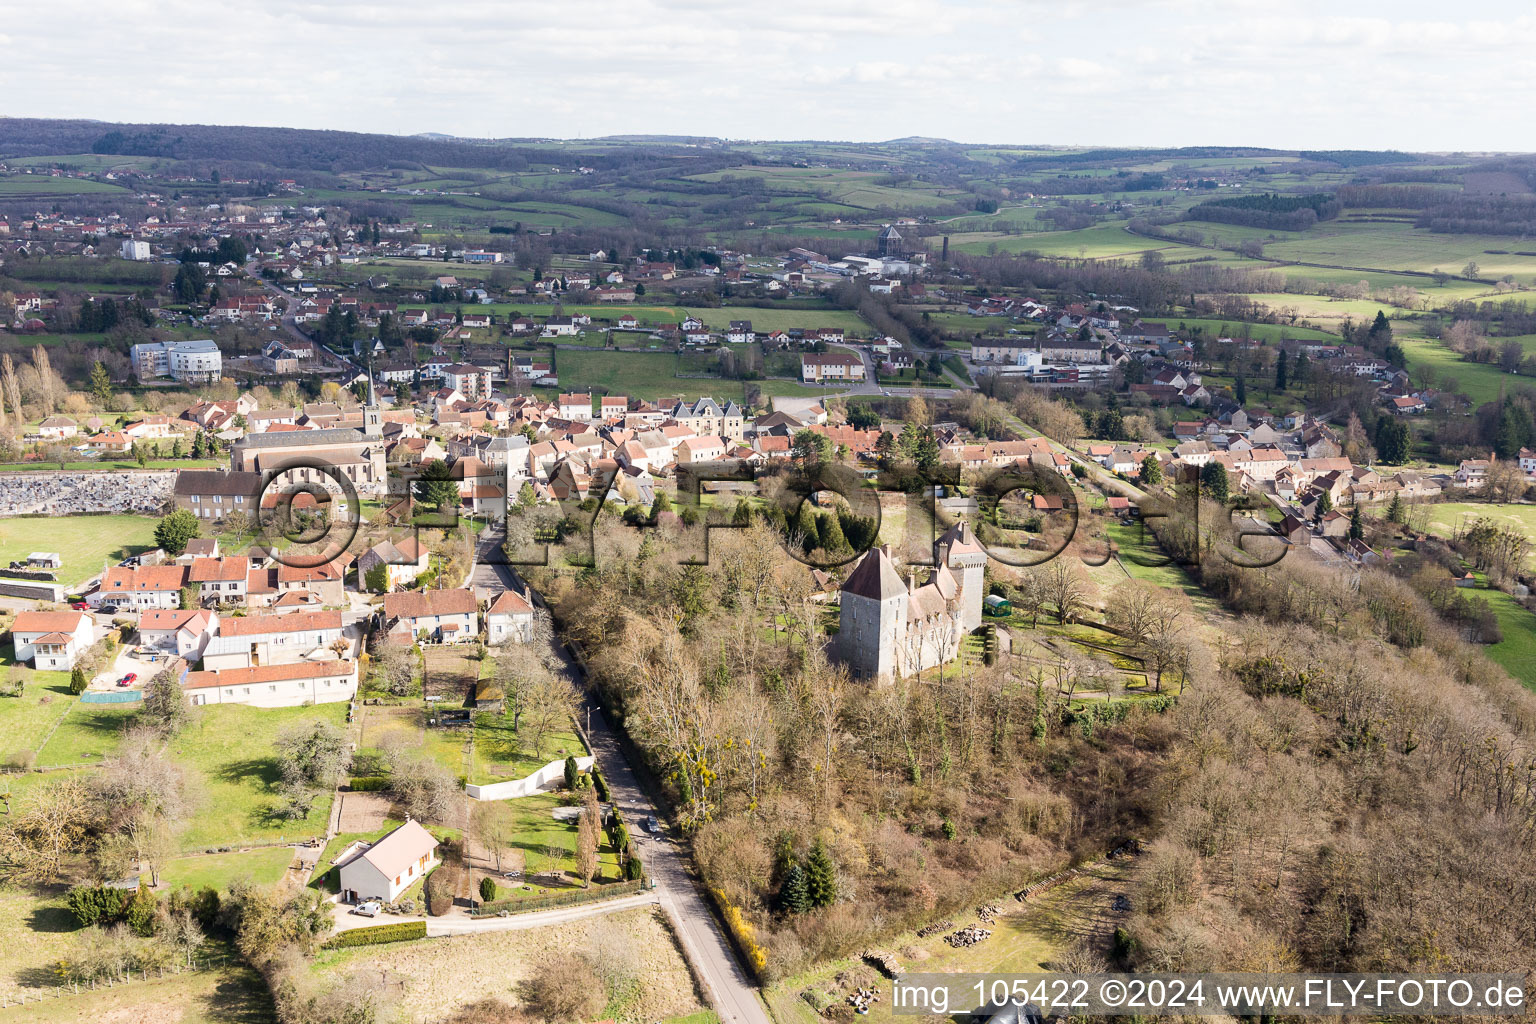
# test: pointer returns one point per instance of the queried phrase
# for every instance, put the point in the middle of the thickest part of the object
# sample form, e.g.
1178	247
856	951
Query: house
403	560
52	640
1408	405
510	617
56	428
1472	473
740	332
255	640
182	633
831	367
150	586
219	580
324	581
385	869
442	616
574	407
275	686
213	494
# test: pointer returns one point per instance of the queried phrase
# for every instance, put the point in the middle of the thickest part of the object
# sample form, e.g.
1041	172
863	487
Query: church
889	628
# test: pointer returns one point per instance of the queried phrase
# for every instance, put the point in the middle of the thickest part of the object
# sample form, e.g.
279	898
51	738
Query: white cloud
1125	72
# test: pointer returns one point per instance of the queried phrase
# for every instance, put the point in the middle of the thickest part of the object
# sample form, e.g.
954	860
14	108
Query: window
195	499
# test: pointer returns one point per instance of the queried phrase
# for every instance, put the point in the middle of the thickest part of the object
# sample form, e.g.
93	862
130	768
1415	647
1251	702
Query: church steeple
373	416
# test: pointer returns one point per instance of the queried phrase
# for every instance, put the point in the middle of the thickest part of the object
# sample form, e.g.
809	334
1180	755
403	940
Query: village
417	612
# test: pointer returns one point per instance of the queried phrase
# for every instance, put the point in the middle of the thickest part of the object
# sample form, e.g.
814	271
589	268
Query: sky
1408	74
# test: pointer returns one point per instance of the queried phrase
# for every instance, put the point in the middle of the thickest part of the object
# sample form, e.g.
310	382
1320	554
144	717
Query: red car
80	606
128	680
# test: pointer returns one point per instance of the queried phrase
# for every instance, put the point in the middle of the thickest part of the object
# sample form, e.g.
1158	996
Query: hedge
600	783
612	890
401	931
368	783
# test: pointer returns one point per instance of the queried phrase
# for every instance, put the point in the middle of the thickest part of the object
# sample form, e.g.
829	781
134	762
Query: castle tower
872	621
888	241
966	558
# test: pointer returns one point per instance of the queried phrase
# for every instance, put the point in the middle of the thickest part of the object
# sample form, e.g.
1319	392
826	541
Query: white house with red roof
52	640
274	686
510	616
181	632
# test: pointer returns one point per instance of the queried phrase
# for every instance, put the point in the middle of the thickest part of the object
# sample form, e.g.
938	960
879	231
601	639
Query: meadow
87	543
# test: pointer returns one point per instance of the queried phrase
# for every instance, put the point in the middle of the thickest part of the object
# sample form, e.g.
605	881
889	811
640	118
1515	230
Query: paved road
679	893
732	992
463	924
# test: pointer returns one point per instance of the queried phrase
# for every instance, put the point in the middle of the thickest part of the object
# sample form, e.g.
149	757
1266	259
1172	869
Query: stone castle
889	629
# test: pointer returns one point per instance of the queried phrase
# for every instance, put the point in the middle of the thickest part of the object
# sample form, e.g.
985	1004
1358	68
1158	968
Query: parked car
108	609
369	909
128	563
80	606
651	824
129	679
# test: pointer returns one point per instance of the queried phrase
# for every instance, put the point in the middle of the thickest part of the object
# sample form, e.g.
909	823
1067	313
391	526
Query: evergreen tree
1299	374
1356	527
1324	505
1395	512
793	898
820	877
77	681
885	447
1392	440
101	384
1281	367
831	532
1242	391
1151	471
805	523
741	515
174	531
661	504
1214	481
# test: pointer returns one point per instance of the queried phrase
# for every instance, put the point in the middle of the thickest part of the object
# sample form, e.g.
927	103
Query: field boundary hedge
400	931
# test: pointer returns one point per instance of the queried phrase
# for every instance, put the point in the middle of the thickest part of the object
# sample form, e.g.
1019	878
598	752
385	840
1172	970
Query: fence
597	894
24	997
526	786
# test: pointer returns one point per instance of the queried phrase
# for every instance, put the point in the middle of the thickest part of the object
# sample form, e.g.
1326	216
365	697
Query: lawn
500	755
26	720
1517	651
537	834
88	733
264	867
230	749
85	542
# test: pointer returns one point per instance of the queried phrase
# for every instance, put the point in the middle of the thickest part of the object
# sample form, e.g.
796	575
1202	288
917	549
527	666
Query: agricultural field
1517	651
1481	382
29	186
92	540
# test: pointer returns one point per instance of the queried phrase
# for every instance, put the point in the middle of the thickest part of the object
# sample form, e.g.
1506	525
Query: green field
217	870
88	733
651	376
1517	651
85	542
229	748
1481	382
1446	517
22	186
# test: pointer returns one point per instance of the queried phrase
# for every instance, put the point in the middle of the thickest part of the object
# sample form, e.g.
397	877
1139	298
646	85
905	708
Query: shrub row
368	783
742	933
613	890
400	931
